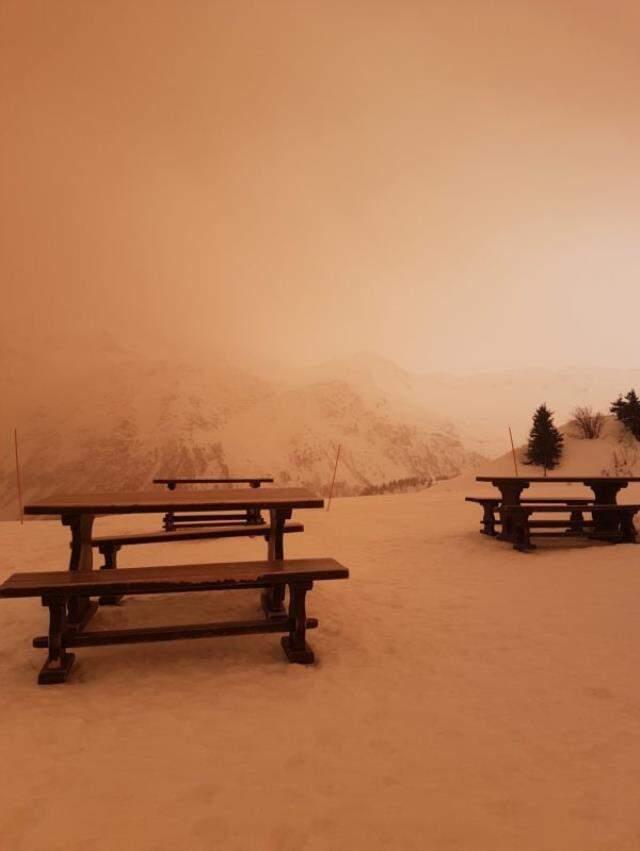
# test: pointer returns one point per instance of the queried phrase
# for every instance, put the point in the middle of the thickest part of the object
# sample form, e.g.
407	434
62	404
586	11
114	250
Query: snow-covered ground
466	696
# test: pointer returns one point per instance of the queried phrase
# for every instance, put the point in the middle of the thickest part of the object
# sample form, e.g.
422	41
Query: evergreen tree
627	410
545	441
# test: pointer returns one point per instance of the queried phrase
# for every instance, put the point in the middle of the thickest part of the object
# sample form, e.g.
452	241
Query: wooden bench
624	530
56	588
109	545
491	505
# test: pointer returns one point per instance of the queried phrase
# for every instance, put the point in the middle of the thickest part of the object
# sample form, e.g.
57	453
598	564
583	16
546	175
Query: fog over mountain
482	406
118	419
104	415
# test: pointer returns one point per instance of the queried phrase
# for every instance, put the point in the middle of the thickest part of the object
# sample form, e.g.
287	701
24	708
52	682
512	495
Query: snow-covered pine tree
545	441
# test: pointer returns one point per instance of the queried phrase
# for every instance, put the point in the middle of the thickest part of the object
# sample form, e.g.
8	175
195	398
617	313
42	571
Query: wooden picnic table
605	490
252	515
78	512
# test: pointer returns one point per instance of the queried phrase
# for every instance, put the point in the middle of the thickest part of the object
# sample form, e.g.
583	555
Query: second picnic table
605	491
252	514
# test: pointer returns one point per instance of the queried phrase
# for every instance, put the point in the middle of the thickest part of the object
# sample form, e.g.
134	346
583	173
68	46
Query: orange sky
454	185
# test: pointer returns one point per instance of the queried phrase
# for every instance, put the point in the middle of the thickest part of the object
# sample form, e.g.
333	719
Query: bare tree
587	423
623	463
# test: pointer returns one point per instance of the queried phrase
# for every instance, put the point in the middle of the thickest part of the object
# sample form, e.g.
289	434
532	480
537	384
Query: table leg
169	519
520	529
254	516
627	526
80	610
295	645
605	524
110	553
510	493
273	598
59	662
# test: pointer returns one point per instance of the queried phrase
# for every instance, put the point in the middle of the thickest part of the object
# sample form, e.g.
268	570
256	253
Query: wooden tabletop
566	479
141	502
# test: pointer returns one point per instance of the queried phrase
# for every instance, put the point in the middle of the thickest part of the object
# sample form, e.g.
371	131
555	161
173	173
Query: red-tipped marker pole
15	443
333	480
513	451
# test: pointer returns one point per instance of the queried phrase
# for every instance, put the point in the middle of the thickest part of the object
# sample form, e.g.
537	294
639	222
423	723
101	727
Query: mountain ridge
118	423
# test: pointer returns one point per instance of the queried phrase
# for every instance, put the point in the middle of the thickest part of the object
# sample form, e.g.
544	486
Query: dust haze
453	187
392	226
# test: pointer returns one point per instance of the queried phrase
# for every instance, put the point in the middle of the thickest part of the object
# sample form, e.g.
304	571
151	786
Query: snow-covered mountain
117	418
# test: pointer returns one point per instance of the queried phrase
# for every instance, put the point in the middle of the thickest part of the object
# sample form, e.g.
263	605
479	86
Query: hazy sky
453	184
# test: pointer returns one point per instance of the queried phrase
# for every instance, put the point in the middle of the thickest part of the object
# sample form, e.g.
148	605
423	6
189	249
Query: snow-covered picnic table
514	511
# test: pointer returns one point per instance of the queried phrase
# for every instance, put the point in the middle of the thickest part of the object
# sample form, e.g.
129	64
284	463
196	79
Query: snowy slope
483	406
616	452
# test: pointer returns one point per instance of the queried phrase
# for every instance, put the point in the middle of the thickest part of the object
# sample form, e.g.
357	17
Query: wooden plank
597	509
225	499
567	500
221	517
620	506
211	521
198	533
552	479
550	523
229	481
140	635
171	578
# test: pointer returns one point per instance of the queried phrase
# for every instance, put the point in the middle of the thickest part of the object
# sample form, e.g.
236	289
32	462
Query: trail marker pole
513	451
15	443
333	480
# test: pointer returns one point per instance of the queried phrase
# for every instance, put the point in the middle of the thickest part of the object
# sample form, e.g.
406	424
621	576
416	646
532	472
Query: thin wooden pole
513	451
15	443
333	480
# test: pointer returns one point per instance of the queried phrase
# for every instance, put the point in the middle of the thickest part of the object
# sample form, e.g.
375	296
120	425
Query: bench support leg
110	553
576	523
488	520
294	645
80	609
520	532
273	598
627	527
253	514
59	662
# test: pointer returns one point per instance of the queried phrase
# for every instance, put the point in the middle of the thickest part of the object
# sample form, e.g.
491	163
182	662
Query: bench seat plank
539	500
201	532
170	578
563	508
